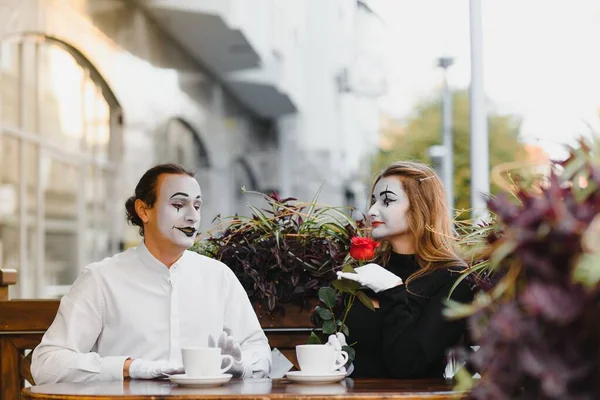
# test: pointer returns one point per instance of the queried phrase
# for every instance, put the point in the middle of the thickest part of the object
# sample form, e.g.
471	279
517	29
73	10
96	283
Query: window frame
32	270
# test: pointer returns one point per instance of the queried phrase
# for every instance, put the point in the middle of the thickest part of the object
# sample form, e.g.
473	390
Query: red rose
363	249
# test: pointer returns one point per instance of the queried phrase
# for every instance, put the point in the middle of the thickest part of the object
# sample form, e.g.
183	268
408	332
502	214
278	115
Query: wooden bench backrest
22	325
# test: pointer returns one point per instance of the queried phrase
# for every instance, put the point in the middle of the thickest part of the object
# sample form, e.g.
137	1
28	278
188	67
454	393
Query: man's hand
373	276
230	346
142	369
337	341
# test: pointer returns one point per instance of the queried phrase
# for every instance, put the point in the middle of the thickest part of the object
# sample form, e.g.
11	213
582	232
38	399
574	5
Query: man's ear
141	210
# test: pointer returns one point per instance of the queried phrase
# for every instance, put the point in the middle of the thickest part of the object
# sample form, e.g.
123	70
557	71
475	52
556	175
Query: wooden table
253	389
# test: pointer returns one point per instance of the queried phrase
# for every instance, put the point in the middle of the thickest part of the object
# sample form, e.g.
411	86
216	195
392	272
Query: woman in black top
407	336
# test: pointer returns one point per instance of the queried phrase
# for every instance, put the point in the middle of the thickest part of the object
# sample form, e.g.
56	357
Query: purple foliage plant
537	319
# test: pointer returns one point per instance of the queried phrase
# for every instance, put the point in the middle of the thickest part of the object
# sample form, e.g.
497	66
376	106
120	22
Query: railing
7	277
23	323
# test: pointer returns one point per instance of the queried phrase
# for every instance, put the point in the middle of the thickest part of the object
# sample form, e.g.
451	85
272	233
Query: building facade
263	94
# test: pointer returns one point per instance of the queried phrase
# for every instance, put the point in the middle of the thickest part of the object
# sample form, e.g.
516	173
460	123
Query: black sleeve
415	334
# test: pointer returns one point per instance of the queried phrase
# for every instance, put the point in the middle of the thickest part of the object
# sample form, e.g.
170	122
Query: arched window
181	144
59	123
184	146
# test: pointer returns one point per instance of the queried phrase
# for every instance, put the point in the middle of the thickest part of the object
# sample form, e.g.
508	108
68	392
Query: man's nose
193	216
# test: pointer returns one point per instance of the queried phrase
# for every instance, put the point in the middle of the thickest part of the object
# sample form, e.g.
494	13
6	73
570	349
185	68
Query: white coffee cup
320	358
204	361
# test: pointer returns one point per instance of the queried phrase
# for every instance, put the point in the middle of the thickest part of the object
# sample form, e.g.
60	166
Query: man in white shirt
129	315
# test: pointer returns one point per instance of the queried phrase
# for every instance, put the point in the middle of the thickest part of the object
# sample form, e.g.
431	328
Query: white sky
541	60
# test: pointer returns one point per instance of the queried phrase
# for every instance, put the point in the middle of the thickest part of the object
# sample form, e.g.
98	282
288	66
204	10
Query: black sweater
407	337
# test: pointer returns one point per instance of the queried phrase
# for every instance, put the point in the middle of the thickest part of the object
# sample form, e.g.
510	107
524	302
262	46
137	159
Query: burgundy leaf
555	303
295	279
508	322
275	196
311	284
271	303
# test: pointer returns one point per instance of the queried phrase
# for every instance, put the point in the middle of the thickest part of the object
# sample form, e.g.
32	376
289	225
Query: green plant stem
348	307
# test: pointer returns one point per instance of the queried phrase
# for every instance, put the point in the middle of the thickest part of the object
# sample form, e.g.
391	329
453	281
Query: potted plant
283	253
537	324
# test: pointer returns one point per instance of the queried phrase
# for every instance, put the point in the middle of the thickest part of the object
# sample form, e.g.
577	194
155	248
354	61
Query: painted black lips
189	231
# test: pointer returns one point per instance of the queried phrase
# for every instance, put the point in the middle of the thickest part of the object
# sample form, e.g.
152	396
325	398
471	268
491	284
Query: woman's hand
337	341
373	276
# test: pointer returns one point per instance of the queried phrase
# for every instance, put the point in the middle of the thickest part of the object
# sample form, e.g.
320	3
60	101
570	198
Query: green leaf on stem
365	300
324	313
329	327
327	296
313	339
346	286
348	268
587	270
345	330
313	203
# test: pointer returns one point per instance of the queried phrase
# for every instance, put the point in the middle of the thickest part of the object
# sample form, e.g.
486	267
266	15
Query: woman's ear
141	210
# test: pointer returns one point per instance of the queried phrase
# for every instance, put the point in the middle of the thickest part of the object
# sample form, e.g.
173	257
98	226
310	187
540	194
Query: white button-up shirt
132	305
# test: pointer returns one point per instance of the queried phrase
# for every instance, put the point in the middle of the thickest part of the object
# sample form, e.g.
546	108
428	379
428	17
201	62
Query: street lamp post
480	158
447	137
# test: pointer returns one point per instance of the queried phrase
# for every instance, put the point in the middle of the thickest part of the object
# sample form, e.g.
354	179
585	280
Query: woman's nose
371	212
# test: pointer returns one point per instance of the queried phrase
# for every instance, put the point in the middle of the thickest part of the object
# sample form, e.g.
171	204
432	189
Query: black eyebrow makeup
386	192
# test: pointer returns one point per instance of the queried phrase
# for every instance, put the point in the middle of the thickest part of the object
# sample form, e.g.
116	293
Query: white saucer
201	381
299	376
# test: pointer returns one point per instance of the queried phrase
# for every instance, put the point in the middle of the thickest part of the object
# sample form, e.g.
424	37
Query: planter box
293	317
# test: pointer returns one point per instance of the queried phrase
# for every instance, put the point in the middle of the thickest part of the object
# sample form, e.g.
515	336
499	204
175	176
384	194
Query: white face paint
178	209
388	213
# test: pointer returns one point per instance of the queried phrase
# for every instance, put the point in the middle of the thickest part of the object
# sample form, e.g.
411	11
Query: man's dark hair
146	190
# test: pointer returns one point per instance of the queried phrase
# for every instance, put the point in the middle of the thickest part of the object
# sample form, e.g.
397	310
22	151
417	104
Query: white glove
337	341
373	276
230	346
143	369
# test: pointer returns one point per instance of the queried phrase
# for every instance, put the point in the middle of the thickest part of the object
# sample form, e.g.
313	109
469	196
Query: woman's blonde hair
428	218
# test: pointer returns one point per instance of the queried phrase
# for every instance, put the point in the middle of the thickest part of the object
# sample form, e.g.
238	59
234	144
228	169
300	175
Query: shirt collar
152	262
